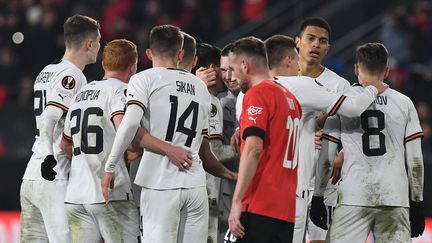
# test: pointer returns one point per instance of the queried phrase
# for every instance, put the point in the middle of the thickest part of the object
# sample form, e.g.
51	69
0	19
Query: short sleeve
118	102
413	129
64	87
255	115
138	91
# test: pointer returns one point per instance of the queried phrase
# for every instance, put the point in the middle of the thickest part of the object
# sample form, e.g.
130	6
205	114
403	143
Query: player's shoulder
328	74
400	97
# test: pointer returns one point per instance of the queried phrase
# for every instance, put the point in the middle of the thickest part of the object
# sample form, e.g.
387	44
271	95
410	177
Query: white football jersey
215	130
90	127
55	85
374	171
177	106
332	81
313	97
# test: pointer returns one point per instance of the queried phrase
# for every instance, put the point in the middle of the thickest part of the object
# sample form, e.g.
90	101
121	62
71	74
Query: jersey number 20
291	154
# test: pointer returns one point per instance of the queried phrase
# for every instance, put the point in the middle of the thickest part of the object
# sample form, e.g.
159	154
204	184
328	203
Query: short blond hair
119	55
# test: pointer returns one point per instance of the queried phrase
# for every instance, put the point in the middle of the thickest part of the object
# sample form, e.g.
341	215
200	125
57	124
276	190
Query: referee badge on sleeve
229	237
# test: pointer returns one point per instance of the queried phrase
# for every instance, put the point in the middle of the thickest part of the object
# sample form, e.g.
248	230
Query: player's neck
311	70
260	76
164	62
76	58
122	76
279	71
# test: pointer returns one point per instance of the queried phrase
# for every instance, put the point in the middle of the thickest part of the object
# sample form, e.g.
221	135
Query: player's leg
392	225
32	225
160	212
194	216
351	224
300	217
82	224
117	221
51	204
225	199
213	186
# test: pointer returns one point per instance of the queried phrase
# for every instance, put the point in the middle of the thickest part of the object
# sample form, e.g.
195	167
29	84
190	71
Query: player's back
374	169
89	124
55	85
177	107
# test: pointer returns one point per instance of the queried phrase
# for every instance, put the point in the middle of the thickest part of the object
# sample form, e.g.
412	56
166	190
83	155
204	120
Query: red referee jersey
271	112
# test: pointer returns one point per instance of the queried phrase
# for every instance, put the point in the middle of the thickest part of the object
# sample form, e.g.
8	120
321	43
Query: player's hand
107	184
47	168
318	142
208	75
234	220
180	157
235	141
133	153
417	218
318	212
320	120
337	168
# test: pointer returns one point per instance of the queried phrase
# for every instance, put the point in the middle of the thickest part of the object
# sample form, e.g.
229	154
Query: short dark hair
252	47
278	47
373	57
317	22
207	54
226	49
77	29
189	47
165	40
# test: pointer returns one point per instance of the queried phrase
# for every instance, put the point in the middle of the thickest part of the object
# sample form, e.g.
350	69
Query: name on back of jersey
380	100
87	95
43	77
185	87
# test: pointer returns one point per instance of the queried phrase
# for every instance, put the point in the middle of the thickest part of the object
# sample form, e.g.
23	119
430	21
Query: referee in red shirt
263	206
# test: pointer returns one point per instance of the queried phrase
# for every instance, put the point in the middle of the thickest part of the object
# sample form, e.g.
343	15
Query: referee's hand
318	212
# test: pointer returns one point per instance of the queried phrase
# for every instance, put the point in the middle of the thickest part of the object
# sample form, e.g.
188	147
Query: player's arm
327	155
51	116
212	165
248	164
223	153
415	168
67	146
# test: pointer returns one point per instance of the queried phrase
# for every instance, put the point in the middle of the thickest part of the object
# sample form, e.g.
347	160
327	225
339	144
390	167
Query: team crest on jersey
254	110
213	111
68	82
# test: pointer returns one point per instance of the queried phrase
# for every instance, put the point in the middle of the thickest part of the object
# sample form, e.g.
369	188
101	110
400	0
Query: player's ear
149	54
194	61
244	66
386	72
180	54
297	41
356	69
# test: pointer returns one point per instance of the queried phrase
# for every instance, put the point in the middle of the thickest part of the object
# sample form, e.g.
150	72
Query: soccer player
313	97
269	127
381	188
43	214
313	42
175	104
95	112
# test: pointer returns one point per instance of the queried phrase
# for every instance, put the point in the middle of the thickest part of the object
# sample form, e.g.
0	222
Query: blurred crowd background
31	37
